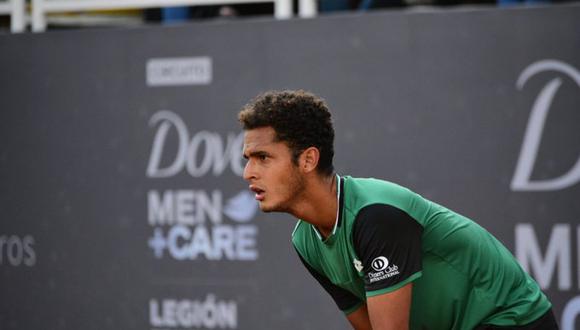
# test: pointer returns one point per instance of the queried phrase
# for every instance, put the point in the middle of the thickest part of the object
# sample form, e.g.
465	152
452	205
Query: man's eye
263	157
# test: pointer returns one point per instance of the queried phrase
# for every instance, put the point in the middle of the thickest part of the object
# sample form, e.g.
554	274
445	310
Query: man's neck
318	205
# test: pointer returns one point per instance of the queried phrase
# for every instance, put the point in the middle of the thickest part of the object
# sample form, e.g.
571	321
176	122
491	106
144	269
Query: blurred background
121	199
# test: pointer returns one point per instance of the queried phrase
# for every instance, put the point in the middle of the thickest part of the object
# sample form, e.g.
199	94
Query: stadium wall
122	202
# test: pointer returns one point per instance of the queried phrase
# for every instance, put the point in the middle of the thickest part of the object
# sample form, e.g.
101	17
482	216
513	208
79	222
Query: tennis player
389	258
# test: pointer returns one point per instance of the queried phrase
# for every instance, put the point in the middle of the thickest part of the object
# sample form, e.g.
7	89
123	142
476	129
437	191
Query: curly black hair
299	118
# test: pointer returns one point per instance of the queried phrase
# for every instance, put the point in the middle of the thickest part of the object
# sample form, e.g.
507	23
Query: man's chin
268	208
265	208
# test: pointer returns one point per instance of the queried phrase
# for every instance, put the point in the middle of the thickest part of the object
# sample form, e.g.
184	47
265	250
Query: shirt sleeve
388	241
344	299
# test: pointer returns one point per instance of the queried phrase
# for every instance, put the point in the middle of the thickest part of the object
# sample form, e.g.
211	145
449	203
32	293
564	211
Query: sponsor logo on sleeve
382	270
380	264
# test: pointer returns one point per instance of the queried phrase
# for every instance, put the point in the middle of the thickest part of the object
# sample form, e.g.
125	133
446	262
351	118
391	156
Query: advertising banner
122	202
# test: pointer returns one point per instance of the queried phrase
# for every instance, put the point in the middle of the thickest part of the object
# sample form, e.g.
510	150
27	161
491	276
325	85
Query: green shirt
387	236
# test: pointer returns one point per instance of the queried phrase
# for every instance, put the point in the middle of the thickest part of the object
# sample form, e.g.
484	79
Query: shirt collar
339	200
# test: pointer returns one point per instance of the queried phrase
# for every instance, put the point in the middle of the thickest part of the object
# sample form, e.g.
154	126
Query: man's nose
249	173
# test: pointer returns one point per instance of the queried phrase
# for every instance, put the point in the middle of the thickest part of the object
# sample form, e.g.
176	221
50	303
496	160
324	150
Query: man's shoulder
362	192
368	185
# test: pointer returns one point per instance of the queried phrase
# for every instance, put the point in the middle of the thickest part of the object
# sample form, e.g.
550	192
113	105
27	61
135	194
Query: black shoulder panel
388	241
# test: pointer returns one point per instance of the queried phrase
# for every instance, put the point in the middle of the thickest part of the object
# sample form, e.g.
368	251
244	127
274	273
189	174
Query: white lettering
184	207
167	119
570	314
558	254
30	254
187	207
213	243
169	313
208	313
177	250
183	314
206	160
246	242
521	180
224	241
232	154
179	71
17	251
201	244
160	209
205	152
155	318
210	207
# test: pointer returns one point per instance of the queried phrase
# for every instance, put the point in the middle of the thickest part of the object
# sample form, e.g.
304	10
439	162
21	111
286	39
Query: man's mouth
259	193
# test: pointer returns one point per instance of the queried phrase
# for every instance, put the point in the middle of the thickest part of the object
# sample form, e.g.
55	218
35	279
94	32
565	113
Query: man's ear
309	159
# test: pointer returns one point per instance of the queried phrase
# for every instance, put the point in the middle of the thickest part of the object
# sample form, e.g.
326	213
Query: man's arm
386	311
388	241
390	311
344	299
359	319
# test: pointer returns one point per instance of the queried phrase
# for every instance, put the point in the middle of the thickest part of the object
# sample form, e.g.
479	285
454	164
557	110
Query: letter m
557	255
160	209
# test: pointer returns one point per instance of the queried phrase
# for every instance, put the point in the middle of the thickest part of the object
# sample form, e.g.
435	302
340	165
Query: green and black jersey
387	236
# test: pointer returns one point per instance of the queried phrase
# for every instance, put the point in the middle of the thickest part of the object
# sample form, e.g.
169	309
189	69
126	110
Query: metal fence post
38	18
283	9
17	19
307	8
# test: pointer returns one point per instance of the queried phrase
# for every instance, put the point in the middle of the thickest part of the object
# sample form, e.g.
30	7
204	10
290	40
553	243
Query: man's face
273	177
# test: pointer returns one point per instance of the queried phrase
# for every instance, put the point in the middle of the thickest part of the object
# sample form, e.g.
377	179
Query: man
388	257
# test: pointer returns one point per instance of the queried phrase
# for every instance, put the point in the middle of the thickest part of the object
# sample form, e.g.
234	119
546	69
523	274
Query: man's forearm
359	319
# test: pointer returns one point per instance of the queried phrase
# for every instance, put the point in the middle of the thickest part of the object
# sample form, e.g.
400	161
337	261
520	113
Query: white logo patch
382	270
357	265
380	263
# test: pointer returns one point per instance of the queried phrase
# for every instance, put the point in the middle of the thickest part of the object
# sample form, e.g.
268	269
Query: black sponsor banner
122	202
